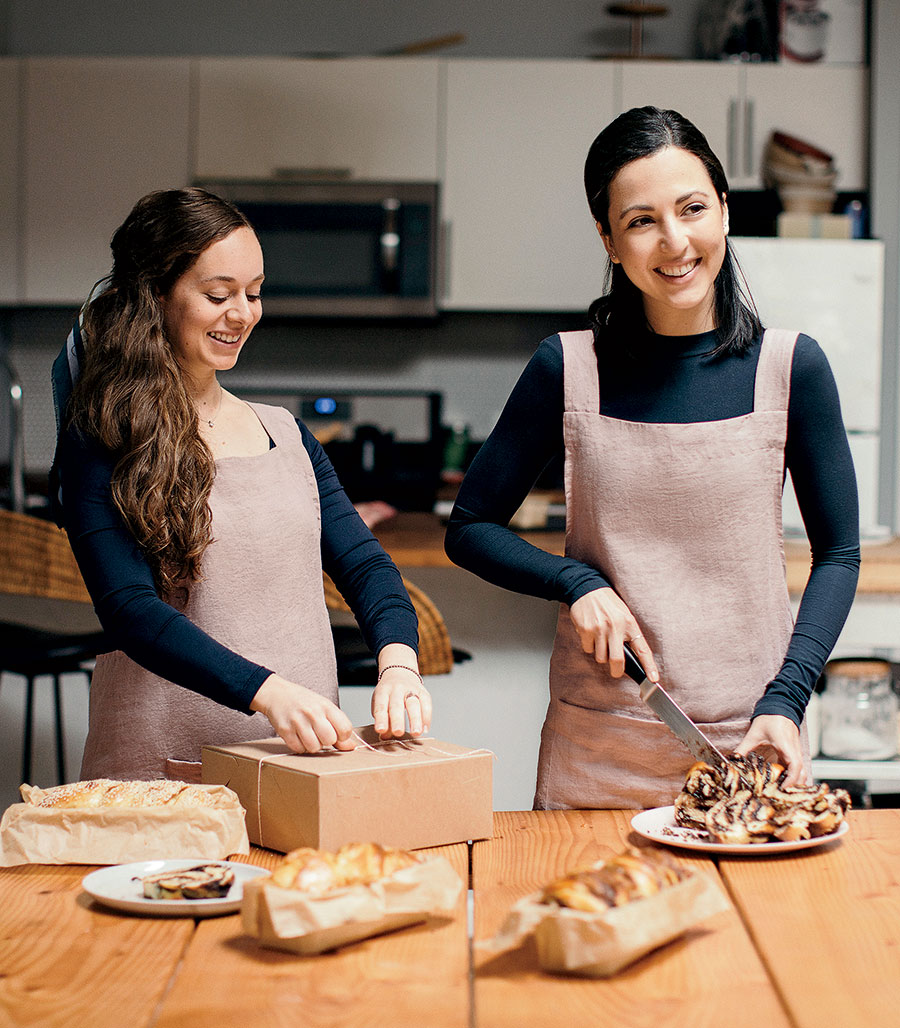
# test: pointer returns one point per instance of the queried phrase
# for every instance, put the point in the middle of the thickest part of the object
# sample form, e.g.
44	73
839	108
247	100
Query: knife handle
633	667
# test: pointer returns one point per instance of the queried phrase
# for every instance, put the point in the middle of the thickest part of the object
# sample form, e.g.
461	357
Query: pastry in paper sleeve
103	821
317	900
595	921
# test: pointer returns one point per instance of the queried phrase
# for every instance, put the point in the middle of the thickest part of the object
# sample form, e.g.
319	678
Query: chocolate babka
748	803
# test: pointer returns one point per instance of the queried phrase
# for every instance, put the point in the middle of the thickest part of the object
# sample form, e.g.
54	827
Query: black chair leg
29	722
60	740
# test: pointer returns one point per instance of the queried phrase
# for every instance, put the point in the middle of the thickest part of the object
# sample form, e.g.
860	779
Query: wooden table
416	540
810	940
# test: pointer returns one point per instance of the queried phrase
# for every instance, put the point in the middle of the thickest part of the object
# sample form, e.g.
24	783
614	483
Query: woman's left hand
776	738
400	694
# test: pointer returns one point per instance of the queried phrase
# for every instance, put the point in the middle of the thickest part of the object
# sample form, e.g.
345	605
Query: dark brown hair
642	132
131	394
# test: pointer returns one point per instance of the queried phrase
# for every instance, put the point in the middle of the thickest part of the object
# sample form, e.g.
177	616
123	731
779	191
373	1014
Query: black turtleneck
671	379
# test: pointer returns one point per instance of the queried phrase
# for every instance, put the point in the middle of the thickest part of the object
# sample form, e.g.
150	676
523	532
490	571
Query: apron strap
772	390
581	381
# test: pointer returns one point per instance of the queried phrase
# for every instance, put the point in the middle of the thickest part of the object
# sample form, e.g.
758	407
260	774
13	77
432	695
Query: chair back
435	651
36	559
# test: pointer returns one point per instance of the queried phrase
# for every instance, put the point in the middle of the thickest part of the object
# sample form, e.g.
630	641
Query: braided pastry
631	875
357	863
104	792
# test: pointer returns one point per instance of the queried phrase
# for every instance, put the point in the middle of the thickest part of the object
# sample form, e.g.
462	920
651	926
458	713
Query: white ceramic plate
120	887
659	825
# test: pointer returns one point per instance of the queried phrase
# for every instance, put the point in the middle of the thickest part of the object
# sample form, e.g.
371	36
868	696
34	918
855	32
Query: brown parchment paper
598	945
291	920
120	835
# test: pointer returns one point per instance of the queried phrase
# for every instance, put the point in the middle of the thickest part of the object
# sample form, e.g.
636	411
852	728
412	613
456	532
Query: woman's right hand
604	623
306	721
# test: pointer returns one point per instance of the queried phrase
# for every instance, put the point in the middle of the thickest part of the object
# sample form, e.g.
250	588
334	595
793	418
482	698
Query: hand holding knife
668	711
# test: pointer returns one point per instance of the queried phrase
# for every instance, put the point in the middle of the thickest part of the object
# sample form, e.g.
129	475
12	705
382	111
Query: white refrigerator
831	289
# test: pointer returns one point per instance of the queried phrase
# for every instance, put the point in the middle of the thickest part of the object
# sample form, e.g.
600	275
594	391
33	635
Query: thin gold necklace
212	421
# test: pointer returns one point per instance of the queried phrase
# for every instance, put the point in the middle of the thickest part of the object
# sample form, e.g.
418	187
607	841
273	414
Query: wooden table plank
66	962
416	976
827	923
711	977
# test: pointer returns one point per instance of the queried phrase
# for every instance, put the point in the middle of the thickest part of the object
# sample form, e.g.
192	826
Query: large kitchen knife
668	711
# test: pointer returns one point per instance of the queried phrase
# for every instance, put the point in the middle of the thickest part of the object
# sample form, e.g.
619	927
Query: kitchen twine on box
404	744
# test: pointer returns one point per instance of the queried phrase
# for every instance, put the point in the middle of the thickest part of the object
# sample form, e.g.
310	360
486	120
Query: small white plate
120	887
659	825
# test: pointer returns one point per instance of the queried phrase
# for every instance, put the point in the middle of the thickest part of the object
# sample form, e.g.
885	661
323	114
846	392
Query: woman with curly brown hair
202	523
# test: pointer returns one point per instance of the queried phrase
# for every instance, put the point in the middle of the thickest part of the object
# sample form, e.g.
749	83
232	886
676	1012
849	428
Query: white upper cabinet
737	107
374	118
708	93
506	139
99	134
519	233
10	71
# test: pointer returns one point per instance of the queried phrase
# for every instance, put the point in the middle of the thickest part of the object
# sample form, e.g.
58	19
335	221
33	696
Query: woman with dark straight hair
202	523
677	418
638	133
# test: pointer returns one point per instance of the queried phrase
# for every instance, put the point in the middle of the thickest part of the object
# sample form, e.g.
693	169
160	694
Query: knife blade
668	711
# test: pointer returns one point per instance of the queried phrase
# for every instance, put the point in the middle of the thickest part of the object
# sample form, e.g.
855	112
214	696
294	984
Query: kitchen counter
417	540
809	939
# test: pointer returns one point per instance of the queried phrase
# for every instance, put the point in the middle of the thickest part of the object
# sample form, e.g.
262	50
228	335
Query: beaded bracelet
403	667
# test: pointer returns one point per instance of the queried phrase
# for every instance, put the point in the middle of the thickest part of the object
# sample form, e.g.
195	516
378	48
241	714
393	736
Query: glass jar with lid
859	710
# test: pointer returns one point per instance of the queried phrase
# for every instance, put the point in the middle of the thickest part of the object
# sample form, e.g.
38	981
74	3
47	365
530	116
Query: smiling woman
677	418
201	523
212	309
667	229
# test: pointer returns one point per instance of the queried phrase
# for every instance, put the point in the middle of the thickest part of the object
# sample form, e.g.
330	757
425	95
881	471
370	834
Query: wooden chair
36	561
357	665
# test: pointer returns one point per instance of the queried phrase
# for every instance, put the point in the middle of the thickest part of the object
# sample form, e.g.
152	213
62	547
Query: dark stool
32	652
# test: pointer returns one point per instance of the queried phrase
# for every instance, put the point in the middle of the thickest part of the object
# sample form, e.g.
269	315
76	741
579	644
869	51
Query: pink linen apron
686	520
261	595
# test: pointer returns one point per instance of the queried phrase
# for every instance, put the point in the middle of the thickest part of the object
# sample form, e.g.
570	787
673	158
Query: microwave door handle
390	245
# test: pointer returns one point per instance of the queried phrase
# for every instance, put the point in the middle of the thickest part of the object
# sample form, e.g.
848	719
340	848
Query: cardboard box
408	793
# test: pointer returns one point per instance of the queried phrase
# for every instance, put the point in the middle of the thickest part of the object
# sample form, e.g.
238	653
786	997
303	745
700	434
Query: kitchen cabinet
98	134
374	118
10	78
739	105
518	231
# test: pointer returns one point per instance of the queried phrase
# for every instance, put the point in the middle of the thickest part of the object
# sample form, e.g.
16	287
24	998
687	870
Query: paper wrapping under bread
598	945
292	920
120	835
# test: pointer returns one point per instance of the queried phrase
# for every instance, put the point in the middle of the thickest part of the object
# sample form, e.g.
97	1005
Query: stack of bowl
803	175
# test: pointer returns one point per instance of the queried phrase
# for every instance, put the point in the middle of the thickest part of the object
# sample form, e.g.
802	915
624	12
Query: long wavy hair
131	394
642	132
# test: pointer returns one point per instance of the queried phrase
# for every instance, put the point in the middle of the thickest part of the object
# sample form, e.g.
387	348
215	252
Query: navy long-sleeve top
166	642
672	379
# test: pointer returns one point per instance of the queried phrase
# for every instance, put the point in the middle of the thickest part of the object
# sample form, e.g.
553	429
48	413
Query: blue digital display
325	405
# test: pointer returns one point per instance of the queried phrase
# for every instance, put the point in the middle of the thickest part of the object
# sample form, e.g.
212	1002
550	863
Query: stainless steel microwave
343	248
